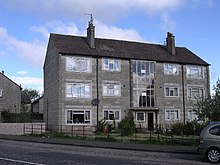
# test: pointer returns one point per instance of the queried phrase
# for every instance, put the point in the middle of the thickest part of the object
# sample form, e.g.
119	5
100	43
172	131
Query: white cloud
102	30
167	23
103	10
31	52
22	72
58	27
196	3
3	33
113	32
29	82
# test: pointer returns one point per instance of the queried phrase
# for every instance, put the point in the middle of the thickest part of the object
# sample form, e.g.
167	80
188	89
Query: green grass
140	138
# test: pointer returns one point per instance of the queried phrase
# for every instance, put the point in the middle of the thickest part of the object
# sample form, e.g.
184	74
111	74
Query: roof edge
11	80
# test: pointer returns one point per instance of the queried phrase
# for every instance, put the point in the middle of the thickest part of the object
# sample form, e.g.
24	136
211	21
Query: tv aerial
91	18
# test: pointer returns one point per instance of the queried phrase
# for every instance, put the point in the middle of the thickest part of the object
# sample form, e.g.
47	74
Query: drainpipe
97	89
208	81
184	103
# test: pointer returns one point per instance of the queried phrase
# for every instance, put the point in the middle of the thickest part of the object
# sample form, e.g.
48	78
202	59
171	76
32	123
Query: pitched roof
67	44
10	80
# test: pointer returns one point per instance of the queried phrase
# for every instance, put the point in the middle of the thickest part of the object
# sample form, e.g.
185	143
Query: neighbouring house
10	95
37	109
37	105
87	79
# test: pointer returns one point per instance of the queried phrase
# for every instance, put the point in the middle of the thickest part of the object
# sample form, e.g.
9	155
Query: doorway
150	121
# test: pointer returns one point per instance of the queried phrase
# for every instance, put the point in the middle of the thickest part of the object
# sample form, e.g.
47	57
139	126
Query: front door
150	121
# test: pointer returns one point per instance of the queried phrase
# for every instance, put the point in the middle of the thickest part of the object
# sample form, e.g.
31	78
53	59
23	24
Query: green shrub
198	129
190	128
127	126
177	128
101	126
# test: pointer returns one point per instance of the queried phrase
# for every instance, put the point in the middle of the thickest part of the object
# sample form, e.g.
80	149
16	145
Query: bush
177	128
198	129
8	117
127	126
15	117
190	128
101	126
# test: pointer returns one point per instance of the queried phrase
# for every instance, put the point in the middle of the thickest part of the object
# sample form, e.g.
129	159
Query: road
22	153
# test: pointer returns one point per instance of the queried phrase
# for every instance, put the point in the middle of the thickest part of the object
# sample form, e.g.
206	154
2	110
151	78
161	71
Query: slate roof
67	44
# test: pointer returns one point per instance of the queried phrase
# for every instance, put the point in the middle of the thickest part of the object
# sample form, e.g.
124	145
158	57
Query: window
171	91
111	89
194	72
215	130
172	115
112	114
194	93
143	83
192	115
78	116
111	64
171	68
140	116
78	64
78	90
1	92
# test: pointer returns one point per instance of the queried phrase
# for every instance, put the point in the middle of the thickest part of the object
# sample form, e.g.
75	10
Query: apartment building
87	79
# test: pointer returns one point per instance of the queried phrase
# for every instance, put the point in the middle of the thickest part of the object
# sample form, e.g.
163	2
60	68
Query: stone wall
21	128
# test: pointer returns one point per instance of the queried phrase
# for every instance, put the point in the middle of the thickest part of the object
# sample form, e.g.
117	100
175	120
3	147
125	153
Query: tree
209	108
32	93
27	96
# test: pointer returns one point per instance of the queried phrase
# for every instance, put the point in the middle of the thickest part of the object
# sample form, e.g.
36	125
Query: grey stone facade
10	95
162	92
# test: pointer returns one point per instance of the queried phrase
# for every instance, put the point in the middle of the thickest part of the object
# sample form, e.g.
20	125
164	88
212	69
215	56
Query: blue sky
25	26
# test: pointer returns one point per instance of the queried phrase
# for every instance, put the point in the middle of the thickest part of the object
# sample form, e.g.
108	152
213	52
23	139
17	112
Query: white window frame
109	64
78	90
192	115
171	69
111	89
1	92
112	112
138	120
171	91
190	90
190	69
84	64
172	114
70	119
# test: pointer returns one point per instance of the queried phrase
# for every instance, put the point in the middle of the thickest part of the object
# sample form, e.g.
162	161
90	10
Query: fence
34	128
139	135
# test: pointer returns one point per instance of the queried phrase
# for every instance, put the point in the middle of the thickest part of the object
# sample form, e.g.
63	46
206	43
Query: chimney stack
91	34
3	72
170	40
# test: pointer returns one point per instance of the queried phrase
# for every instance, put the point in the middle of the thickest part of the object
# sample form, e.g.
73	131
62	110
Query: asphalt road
22	153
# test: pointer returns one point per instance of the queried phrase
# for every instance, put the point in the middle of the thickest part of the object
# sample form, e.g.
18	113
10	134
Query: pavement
101	144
